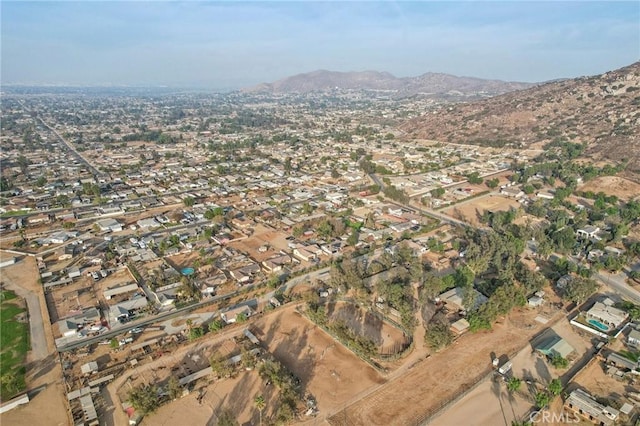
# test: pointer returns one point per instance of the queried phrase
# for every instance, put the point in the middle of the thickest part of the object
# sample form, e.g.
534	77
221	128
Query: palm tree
260	403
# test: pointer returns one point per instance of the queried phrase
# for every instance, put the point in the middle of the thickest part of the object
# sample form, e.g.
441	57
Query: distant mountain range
435	85
602	110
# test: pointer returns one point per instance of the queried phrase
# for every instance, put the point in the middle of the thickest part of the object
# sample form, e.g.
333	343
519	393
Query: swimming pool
598	324
187	271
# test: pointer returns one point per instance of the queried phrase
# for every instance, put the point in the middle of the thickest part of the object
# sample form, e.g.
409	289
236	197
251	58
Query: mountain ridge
430	83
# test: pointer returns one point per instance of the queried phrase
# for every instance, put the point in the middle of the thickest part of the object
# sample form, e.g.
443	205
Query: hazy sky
234	44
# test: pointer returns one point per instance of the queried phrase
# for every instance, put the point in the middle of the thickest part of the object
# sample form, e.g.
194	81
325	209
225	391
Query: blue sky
235	44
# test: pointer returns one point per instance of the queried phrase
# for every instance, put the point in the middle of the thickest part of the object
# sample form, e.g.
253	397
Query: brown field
613	185
331	373
274	240
469	210
420	391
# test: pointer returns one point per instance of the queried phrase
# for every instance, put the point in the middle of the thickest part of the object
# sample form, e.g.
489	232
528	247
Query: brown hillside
603	111
435	85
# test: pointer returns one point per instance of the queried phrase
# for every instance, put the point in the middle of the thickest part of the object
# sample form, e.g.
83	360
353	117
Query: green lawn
14	344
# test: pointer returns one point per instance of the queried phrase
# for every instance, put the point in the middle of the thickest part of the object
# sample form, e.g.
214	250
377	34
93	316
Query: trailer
505	368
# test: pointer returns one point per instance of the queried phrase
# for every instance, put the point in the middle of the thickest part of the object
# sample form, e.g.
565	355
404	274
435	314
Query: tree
114	343
492	183
5	184
353	238
555	387
559	362
542	399
196	333
514	384
438	335
260	404
226	418
174	388
144	398
437	192
579	289
188	201
220	366
248	359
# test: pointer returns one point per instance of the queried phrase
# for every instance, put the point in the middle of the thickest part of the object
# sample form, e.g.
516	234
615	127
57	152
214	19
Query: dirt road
44	374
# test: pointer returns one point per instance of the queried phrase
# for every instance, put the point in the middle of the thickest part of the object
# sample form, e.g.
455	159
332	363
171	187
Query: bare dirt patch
270	240
469	210
330	372
613	185
364	323
421	390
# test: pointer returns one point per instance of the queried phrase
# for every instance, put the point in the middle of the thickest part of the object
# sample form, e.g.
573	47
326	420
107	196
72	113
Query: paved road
617	282
37	335
187	309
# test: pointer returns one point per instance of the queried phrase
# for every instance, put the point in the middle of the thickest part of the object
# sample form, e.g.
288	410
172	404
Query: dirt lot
491	400
596	381
612	185
469	210
385	336
412	396
331	373
262	236
183	260
235	395
487	405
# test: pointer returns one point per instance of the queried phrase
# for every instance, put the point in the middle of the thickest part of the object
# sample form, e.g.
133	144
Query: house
231	315
109	225
621	362
245	273
588	232
606	314
634	338
277	263
512	191
535	301
74	272
72	325
147	223
583	404
303	254
545	195
110	292
454	298
554	345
